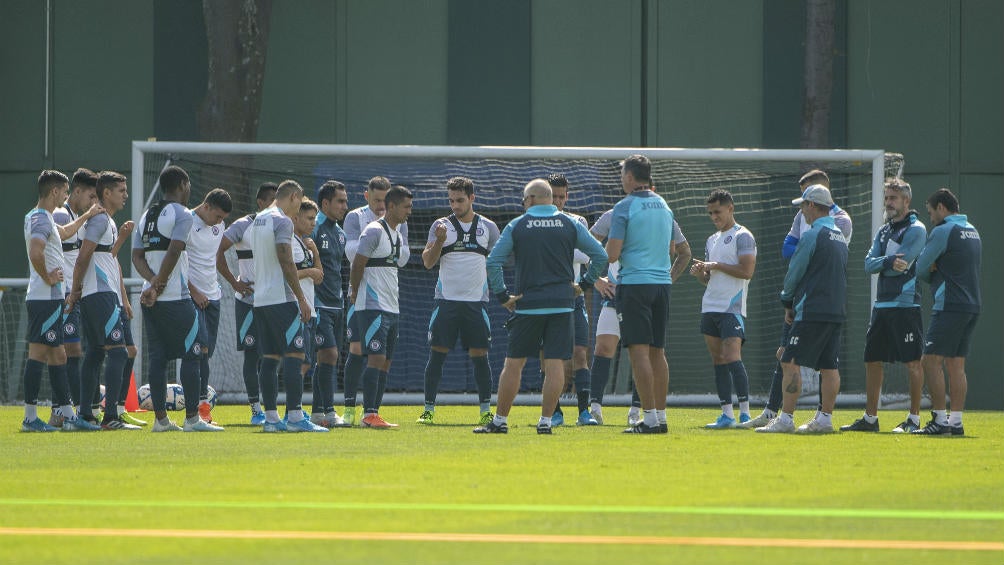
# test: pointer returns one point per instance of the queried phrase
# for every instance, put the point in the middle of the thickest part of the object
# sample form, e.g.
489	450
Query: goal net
763	183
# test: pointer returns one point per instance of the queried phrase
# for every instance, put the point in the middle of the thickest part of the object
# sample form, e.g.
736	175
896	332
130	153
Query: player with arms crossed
730	259
460	243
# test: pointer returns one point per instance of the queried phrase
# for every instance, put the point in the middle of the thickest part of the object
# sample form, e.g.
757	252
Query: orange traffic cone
132	402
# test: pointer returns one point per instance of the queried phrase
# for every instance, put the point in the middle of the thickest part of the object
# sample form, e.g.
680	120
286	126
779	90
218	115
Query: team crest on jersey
375	345
298	341
69	329
348	333
50	336
341	239
481	231
249	340
197	348
216	230
728	240
116	335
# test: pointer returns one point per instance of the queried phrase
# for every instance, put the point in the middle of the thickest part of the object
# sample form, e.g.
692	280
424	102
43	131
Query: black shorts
467	320
45	322
102	322
247	334
895	335
723	326
581	320
531	335
329	329
173	326
71	326
950	333
352	333
209	325
785	330
379	331
126	328
815	345
309	343
643	311
279	329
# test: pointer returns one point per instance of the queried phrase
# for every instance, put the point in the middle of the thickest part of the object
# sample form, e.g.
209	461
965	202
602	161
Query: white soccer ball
175	397
143	396
212	396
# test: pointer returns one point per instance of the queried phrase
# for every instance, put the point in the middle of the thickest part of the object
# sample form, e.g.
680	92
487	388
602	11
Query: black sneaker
643	428
492	428
861	425
957	430
664	428
543	430
933	428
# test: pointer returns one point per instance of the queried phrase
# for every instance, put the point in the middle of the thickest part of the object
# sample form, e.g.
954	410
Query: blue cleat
585	419
36	425
273	427
744	417
722	423
557	419
79	425
257	418
304	425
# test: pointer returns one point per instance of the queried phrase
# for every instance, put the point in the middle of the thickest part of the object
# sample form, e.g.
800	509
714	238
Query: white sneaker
760	421
813	426
777	426
168	427
333	420
597	414
634	418
201	425
316	418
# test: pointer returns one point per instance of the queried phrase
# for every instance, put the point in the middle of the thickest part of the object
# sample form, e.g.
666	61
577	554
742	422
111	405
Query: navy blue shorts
209	325
173	326
452	319
950	334
45	322
247	335
723	326
581	320
379	331
102	322
126	328
815	345
71	326
352	333
785	330
894	335
309	341
279	328
531	335
329	329
643	311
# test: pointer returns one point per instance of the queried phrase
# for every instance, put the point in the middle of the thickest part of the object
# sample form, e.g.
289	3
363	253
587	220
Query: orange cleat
373	420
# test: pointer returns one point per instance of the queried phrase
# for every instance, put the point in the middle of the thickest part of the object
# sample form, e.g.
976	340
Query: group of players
290	305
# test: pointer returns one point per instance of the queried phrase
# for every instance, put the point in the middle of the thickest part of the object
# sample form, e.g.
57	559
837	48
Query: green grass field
440	494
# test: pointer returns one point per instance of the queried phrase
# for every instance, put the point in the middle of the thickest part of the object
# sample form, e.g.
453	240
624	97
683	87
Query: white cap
816	193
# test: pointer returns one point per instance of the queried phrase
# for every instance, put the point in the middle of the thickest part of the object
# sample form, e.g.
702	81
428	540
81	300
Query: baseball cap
816	193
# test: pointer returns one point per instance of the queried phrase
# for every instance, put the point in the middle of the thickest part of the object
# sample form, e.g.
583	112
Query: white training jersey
237	233
386	250
354	223
64	215
271	227
462	273
304	258
103	273
727	294
39	224
163	223
203	242
578	257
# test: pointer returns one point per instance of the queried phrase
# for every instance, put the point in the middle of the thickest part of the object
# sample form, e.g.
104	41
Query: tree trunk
819	30
237	34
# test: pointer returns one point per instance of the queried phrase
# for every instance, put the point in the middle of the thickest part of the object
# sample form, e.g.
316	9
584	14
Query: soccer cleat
36	425
56	419
201	425
117	424
861	425
634	418
273	427
586	419
743	418
304	425
205	412
373	420
316	418
722	423
333	420
492	428
168	427
663	428
958	430
776	426
257	418
79	425
350	416
597	414
813	426
425	418
125	417
557	419
486	418
760	421
933	428
544	429
907	427
643	428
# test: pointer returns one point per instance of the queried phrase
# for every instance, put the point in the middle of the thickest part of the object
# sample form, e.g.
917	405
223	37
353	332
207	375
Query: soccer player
640	232
729	262
243	285
97	286
44	303
373	290
126	314
951	263
330	239
543	241
798	228
309	273
280	309
203	243
815	302
355	221
159	253
608	332
460	243
896	329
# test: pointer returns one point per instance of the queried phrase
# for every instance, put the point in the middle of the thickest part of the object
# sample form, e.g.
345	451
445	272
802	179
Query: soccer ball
212	396
143	395
175	397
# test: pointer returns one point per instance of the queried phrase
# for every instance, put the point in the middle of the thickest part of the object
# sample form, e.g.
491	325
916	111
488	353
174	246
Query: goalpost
762	181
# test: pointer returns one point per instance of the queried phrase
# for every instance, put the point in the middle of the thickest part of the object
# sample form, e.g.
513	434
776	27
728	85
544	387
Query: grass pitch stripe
912	545
889	513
